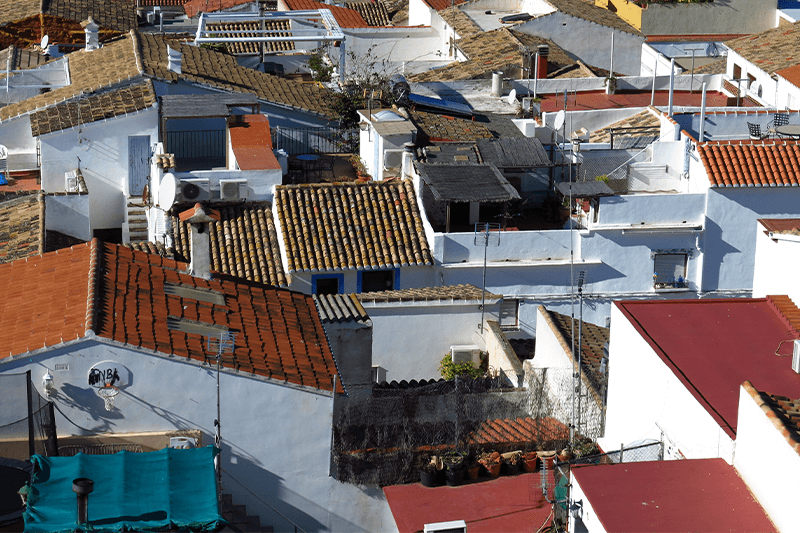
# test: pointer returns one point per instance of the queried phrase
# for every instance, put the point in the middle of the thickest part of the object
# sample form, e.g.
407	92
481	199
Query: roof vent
174	58
796	356
92	34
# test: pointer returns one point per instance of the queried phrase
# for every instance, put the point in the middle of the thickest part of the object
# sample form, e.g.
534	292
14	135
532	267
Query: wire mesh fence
296	141
27	420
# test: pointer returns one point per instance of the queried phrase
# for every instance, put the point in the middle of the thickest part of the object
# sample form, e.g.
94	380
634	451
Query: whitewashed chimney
92	31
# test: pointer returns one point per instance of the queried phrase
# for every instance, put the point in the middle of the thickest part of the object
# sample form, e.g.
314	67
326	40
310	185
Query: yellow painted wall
627	11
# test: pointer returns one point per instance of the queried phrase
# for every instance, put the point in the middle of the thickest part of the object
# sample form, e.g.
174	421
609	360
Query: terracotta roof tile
221	71
353	225
593	338
21	58
772	50
644	119
120	294
774	163
282	26
427	294
115	62
340	308
244	243
433	127
92	108
517	432
346	18
21	231
783	412
374	13
195	7
439	5
592	13
790	226
118	15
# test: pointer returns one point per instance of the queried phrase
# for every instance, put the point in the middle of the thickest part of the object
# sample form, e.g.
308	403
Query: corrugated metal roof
467	183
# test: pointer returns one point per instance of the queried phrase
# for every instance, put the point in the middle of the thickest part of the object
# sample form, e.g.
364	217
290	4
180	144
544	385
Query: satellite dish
559	121
167	191
44	44
512	97
3	152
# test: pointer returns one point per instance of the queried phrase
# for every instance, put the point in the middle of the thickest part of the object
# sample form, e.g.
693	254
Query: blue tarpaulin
151	491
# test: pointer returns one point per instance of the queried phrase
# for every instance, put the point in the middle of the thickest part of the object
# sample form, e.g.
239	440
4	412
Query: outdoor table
789	130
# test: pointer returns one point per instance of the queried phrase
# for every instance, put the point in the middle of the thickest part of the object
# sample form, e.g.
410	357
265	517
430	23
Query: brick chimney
541	67
199	218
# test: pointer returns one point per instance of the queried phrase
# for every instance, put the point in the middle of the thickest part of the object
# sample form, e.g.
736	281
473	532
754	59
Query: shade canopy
467	183
152	491
589	189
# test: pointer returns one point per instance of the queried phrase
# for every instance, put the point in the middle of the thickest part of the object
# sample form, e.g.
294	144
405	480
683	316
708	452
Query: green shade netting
135	491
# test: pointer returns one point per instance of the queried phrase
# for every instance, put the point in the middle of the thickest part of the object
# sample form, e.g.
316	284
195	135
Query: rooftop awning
467	183
153	491
589	189
205	105
522	152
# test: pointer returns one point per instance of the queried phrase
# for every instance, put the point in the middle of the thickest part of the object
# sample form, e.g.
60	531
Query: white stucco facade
276	437
587	520
776	489
646	400
777	257
411	338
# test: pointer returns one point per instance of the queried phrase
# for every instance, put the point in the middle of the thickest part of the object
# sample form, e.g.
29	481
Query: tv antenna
224	342
489	234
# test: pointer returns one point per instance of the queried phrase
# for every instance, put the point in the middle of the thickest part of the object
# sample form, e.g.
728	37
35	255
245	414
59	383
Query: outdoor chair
755	131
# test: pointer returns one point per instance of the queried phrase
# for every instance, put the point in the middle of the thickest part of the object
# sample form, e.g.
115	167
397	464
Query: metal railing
187	145
296	141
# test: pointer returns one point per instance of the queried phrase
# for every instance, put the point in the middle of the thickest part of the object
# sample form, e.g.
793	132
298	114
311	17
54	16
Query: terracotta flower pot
493	470
548	459
472	473
531	462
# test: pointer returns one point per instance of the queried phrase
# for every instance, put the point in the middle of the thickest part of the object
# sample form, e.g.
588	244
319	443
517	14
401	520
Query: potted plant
565	455
473	469
491	463
512	462
454	464
530	461
430	472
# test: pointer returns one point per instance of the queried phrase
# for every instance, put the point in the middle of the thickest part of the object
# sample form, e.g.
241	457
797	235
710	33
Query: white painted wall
730	17
276	438
68	214
100	149
410	338
594	46
757	440
587	520
776	259
645	397
419	14
15	134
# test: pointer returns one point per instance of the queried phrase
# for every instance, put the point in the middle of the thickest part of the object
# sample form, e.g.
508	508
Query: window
737	71
509	314
327	284
670	271
377	280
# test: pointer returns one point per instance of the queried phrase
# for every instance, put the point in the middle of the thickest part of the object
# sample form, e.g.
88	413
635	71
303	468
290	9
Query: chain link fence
27	420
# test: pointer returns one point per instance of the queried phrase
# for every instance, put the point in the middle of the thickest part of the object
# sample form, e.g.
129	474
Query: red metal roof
347	18
438	5
778	225
713	346
755	163
791	74
585	100
252	144
702	495
195	7
506	504
119	294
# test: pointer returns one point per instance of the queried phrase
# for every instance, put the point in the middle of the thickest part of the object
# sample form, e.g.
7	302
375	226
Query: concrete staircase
238	520
135	227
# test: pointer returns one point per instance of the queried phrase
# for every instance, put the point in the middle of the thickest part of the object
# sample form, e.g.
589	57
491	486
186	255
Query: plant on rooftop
450	370
320	69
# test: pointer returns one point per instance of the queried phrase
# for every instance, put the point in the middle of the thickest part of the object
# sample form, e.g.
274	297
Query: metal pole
217	422
29	384
671	85
653	90
483	292
691	83
536	74
580	345
262	26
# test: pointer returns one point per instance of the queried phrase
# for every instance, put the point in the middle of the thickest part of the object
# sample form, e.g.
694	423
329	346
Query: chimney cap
90	24
199	215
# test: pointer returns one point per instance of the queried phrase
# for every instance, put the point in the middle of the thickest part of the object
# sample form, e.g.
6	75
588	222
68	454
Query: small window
509	314
670	271
737	72
377	280
327	284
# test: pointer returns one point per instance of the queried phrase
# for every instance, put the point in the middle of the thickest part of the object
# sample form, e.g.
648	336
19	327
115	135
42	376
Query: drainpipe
703	115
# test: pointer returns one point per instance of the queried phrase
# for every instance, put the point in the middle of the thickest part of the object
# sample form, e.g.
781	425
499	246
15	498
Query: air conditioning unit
455	526
232	189
182	443
392	159
464	353
194	190
71	181
796	356
378	374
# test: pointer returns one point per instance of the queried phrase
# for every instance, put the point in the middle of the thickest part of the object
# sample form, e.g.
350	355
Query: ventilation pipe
542	51
671	85
82	487
408	160
91	29
174	59
497	83
200	255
